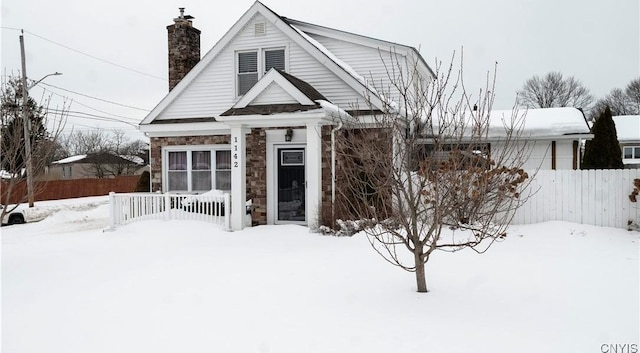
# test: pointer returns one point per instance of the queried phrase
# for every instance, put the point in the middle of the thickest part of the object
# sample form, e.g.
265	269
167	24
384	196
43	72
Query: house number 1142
235	152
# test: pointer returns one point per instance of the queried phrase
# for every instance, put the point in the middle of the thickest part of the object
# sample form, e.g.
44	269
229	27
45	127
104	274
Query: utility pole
27	124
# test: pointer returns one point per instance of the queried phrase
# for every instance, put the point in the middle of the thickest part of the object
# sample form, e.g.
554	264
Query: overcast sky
598	42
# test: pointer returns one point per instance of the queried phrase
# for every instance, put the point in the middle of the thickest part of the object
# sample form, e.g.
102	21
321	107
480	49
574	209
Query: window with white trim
631	152
248	63
274	58
247	71
197	169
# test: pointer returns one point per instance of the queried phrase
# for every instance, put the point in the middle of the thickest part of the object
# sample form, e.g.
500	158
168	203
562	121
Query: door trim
274	182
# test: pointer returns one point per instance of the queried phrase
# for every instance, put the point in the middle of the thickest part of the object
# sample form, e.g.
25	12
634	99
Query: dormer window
250	61
275	59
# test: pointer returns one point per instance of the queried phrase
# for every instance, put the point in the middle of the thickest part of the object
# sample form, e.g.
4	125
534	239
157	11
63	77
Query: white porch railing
132	207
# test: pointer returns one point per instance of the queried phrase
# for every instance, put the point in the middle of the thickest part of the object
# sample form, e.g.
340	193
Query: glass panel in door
291	185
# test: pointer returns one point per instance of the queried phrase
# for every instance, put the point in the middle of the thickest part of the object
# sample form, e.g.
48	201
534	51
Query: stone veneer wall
257	174
326	211
341	209
184	49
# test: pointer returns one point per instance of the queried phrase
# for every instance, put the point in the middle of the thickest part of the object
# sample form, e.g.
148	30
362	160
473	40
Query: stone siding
184	50
257	174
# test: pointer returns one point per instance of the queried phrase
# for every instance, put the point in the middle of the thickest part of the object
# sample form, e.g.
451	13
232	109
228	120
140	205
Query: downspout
333	169
579	153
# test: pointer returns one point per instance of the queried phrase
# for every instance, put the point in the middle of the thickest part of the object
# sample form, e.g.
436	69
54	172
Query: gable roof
340	69
303	86
303	93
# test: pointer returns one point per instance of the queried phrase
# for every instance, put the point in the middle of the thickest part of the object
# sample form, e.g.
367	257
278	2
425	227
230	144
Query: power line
70	125
92	56
84	115
99	99
102	111
90	116
90	107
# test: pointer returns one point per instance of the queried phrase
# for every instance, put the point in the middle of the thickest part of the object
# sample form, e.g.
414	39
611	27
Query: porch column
314	174
238	177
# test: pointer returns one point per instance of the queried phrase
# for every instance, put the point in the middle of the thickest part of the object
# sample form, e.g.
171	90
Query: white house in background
628	130
256	114
554	136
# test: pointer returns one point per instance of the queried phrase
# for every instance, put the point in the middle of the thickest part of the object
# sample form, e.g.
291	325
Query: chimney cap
182	16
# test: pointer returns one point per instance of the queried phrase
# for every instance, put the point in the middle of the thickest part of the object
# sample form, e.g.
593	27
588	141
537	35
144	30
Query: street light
40	80
27	122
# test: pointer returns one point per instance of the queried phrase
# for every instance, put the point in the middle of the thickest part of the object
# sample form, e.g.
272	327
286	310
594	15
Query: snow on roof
134	159
541	122
71	159
333	110
535	123
627	127
4	174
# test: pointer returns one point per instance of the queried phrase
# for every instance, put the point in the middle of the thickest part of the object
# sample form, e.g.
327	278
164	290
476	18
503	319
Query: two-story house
254	116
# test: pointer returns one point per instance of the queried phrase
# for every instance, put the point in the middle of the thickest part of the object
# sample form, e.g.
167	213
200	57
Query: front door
290	201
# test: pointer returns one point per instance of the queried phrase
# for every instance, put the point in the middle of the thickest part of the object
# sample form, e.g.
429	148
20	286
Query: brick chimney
184	47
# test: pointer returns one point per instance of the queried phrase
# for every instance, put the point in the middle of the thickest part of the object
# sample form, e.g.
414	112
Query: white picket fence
132	207
596	197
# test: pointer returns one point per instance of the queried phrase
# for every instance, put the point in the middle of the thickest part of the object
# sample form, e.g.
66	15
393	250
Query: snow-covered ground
176	286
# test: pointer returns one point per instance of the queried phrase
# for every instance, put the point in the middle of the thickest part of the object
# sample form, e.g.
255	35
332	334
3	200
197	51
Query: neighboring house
554	136
255	115
95	165
549	138
628	130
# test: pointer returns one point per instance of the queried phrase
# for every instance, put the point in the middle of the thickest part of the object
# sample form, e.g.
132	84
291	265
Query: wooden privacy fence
596	197
132	207
69	188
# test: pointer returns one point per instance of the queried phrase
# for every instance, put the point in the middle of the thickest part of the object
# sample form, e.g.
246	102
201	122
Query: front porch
277	167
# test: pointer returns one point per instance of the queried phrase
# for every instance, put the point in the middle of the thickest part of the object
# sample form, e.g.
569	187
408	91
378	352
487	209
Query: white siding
539	154
274	94
564	154
213	91
375	65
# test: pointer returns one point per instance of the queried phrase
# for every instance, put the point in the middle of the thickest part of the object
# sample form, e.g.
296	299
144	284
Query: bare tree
110	154
45	128
554	90
633	93
422	175
620	102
